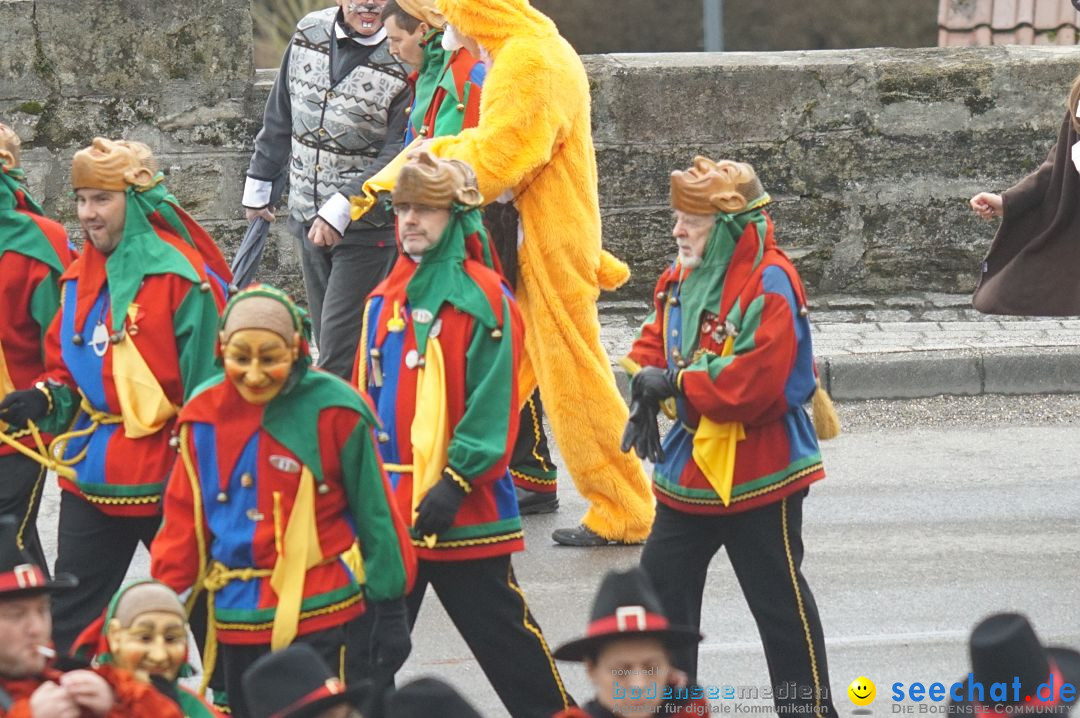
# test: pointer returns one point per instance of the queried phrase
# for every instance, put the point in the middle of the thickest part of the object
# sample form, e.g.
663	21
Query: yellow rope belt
97	419
40	454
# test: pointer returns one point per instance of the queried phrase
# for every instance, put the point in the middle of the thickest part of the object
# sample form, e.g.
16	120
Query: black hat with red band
1005	652
295	682
19	575
626	606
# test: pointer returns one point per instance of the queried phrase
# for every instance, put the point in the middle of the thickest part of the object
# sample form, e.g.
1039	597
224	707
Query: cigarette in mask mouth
46	651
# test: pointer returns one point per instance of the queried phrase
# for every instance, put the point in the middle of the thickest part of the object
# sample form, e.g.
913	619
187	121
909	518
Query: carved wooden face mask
429	181
109	166
147	634
259	347
708	187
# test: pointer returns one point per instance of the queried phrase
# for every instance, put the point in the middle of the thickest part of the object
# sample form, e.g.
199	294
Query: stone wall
176	75
870	154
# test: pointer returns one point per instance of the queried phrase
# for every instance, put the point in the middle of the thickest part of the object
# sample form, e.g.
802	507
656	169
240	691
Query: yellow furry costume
534	138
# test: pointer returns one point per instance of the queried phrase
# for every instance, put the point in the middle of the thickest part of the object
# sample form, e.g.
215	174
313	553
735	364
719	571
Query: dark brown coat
1033	266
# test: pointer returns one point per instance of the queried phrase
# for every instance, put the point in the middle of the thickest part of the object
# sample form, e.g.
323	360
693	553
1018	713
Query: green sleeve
65	404
196	324
383	541
482	438
44	304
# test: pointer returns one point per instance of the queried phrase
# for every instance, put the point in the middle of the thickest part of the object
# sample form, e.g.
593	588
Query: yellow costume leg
587	414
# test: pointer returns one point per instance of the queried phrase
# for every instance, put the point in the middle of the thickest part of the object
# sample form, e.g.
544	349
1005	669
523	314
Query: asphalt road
934	514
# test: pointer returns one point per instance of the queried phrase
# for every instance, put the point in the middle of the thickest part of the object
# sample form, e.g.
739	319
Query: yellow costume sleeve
522	123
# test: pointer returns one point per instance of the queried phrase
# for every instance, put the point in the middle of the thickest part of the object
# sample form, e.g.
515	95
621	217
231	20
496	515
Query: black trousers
329	643
765	548
489	610
96	549
531	466
21	482
337	281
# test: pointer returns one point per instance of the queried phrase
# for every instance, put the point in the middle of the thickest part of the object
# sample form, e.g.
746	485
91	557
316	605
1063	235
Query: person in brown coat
1034	260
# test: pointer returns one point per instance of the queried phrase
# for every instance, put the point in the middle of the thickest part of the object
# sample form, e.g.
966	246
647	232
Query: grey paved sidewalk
916	346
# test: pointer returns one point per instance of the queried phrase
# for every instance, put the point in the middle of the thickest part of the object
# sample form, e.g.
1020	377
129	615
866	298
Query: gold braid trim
332	608
459	480
461	543
750	495
121	500
792	572
209	657
362	357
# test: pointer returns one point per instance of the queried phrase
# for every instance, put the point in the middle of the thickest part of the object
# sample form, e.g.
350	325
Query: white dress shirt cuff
256	193
337	211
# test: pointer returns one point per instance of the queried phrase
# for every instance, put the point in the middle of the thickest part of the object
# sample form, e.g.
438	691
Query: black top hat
1004	648
19	575
626	606
295	682
416	700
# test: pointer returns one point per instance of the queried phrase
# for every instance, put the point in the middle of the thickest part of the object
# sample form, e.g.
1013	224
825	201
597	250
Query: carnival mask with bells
709	187
147	633
260	344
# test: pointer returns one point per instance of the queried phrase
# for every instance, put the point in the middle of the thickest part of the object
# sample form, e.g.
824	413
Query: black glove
18	407
652	385
635	426
390	641
643	433
437	509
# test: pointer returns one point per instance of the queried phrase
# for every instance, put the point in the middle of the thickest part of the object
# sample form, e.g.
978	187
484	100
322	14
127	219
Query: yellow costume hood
493	22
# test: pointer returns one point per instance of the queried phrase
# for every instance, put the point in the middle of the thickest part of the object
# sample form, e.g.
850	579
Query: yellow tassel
826	422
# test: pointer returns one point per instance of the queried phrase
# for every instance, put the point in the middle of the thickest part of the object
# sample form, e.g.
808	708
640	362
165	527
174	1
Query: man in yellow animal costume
534	140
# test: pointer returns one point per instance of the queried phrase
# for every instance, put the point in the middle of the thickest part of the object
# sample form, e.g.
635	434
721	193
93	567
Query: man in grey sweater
335	117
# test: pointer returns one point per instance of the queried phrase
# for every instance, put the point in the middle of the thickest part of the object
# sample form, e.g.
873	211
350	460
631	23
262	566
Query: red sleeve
19	709
747	386
135	699
55	368
648	348
174	554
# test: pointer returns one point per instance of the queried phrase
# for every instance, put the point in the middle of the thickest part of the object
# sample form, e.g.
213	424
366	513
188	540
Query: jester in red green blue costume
133	338
447	85
729	343
440	345
144	632
279	506
447	91
34	252
165	212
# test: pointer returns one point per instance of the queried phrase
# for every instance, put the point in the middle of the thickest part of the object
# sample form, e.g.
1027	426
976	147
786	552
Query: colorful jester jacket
480	407
34	252
124	399
252	482
760	381
446	91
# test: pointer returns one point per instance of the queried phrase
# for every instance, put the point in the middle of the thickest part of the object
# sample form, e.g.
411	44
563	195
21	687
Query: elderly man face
363	16
691	233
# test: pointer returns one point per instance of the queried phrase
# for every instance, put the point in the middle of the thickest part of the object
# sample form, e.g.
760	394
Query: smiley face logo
862	691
